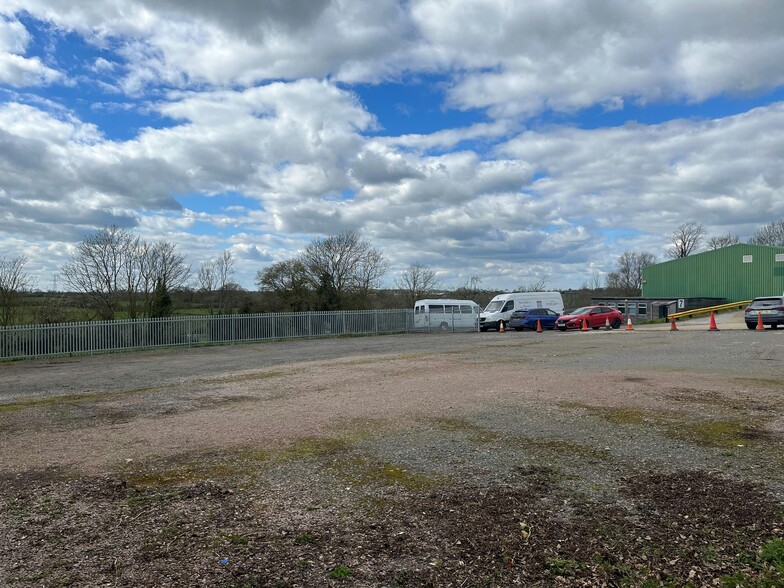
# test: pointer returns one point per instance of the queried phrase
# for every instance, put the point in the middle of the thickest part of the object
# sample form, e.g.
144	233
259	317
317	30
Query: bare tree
770	234
342	269
113	266
417	282
14	283
685	240
537	286
593	283
627	277
99	269
722	241
469	289
216	282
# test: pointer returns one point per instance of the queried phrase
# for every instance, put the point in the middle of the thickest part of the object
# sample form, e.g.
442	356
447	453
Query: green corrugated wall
718	274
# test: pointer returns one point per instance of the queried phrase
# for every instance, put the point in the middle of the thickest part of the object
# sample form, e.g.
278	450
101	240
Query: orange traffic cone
538	325
673	326
629	326
585	324
760	326
501	327
713	326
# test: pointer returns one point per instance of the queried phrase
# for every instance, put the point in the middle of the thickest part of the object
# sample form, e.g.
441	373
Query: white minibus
441	314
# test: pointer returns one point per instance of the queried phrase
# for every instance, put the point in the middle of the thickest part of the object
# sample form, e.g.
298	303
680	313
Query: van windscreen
495	305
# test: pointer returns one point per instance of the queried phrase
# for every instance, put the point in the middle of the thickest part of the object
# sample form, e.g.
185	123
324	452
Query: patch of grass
724	434
71	399
563	567
305	538
619	572
341	572
622	415
721	434
259	455
361	471
772	553
235	539
191	472
312	447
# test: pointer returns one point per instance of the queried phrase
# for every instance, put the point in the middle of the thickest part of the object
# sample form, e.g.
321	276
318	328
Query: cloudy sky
517	141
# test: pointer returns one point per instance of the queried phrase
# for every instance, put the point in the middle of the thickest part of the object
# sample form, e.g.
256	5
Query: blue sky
519	142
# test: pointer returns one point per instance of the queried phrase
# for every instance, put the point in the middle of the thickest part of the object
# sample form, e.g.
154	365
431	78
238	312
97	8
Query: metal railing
707	309
109	336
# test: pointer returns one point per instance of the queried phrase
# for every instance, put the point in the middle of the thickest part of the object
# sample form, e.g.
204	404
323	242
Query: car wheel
616	324
774	326
518	328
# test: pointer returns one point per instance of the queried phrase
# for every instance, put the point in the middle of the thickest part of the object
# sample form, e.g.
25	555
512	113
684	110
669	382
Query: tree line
114	271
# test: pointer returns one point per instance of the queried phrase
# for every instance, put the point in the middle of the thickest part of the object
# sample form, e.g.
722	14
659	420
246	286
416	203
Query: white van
502	306
446	315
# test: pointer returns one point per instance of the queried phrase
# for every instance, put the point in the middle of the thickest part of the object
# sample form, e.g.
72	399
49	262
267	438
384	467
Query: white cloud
526	57
15	69
259	97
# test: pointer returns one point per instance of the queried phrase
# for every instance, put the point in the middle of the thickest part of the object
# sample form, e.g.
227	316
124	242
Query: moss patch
359	470
73	399
720	433
192	472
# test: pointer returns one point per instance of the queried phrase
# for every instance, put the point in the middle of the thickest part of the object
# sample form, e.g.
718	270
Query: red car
595	316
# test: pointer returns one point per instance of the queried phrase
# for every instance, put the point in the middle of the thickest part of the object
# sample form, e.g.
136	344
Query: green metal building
738	272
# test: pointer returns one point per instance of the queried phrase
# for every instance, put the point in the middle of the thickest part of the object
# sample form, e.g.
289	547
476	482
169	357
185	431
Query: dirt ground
617	458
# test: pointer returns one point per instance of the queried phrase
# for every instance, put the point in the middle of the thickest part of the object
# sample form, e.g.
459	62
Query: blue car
526	319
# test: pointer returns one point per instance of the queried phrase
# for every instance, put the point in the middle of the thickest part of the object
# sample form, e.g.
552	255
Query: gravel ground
636	458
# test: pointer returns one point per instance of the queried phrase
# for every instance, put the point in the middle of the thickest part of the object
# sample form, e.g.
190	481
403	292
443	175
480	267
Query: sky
521	142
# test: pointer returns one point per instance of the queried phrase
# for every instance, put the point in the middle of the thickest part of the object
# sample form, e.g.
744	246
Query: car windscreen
766	302
495	305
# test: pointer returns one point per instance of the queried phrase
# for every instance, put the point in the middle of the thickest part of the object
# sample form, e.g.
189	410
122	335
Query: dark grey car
771	308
